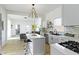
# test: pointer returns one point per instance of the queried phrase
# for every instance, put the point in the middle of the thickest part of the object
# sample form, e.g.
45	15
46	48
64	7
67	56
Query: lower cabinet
53	39
38	46
54	51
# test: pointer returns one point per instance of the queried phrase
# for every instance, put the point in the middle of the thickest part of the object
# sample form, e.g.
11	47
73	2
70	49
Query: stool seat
28	40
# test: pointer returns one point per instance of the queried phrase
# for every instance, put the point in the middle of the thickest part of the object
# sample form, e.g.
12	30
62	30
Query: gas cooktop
72	45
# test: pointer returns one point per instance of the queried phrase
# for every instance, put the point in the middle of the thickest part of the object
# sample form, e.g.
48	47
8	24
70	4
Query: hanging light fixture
34	13
34	16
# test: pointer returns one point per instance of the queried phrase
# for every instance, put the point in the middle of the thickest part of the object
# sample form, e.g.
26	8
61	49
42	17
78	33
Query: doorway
13	46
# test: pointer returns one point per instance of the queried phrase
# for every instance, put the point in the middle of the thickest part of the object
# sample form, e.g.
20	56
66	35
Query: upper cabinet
70	14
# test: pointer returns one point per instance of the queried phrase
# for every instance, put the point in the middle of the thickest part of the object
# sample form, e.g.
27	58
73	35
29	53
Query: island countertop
32	36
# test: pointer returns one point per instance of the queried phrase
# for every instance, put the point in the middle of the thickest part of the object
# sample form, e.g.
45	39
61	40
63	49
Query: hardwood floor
16	47
13	47
47	49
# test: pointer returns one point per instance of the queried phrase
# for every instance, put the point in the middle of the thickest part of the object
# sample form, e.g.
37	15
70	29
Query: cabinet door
55	51
50	38
55	39
38	46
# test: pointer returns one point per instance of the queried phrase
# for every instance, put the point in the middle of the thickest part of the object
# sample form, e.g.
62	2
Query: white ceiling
17	17
41	9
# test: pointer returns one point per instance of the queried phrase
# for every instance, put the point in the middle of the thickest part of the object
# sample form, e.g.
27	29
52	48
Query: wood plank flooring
47	49
16	47
13	46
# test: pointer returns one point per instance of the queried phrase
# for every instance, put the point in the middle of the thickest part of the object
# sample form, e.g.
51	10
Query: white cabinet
53	39
37	45
50	39
55	51
70	14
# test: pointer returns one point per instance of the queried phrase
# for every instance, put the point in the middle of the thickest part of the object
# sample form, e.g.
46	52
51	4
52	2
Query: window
58	25
58	22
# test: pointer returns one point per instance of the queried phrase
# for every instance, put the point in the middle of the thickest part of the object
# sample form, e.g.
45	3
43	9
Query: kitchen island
37	44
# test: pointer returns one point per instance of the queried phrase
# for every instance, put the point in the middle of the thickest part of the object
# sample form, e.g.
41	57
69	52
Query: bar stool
27	48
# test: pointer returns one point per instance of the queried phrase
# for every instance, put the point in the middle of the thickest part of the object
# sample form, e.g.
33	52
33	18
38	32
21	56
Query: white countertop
66	38
62	49
34	36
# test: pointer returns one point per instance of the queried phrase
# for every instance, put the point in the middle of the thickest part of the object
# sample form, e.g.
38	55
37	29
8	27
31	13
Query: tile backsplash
72	30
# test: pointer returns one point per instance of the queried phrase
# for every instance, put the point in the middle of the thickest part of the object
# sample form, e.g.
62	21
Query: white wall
4	19
70	14
56	13
8	28
71	18
52	15
24	26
